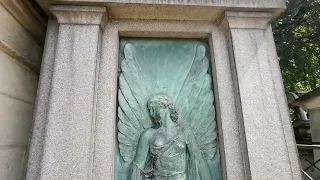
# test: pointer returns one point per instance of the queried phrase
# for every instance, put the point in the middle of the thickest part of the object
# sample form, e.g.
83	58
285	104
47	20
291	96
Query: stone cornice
213	3
28	17
210	10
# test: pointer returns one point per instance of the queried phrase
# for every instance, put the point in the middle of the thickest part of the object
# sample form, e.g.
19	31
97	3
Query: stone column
69	130
265	123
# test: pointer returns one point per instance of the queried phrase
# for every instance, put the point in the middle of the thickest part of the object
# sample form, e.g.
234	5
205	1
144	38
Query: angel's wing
195	104
174	73
132	111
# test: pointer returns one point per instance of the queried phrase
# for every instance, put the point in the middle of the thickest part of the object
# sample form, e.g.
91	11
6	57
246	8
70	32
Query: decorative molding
246	20
164	9
35	67
78	14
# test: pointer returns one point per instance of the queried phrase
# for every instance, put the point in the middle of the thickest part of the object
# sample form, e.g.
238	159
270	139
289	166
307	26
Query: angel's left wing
195	104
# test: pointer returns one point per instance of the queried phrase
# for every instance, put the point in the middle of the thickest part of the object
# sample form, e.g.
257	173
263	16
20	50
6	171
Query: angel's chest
161	140
164	139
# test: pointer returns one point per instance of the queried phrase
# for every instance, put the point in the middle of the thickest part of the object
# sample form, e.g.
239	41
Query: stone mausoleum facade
59	72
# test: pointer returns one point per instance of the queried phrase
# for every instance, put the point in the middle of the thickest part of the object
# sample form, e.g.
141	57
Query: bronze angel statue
166	117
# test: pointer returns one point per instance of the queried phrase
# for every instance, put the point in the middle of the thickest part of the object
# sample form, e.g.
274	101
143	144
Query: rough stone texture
42	103
70	114
268	132
67	148
232	152
106	106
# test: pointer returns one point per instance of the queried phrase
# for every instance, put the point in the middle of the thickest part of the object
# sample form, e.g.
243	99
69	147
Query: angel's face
158	106
155	113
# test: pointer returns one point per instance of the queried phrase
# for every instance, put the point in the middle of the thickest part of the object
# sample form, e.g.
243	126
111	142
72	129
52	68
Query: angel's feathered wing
182	75
132	111
197	113
195	104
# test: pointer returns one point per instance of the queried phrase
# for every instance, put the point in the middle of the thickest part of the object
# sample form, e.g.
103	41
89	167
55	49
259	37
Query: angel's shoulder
147	134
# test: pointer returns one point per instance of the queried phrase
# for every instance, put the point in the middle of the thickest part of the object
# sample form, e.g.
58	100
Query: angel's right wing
132	111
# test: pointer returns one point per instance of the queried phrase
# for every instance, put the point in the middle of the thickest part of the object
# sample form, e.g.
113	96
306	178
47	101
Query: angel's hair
162	101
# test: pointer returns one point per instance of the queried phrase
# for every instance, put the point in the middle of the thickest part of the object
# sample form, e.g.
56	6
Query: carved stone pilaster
67	141
266	127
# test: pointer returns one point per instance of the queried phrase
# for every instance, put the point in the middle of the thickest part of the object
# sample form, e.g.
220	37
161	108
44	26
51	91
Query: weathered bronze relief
166	118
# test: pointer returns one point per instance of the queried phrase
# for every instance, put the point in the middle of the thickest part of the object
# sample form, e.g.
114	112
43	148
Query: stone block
16	80
11	163
15	121
28	16
17	41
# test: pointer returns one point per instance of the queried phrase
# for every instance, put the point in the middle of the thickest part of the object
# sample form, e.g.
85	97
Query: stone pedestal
75	122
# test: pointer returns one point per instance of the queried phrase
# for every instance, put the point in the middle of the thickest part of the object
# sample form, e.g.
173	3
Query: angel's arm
143	148
141	156
196	154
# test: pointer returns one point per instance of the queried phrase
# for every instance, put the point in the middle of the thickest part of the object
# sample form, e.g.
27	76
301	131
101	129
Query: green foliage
297	37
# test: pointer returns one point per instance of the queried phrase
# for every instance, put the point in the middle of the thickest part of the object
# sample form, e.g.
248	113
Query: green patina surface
166	117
